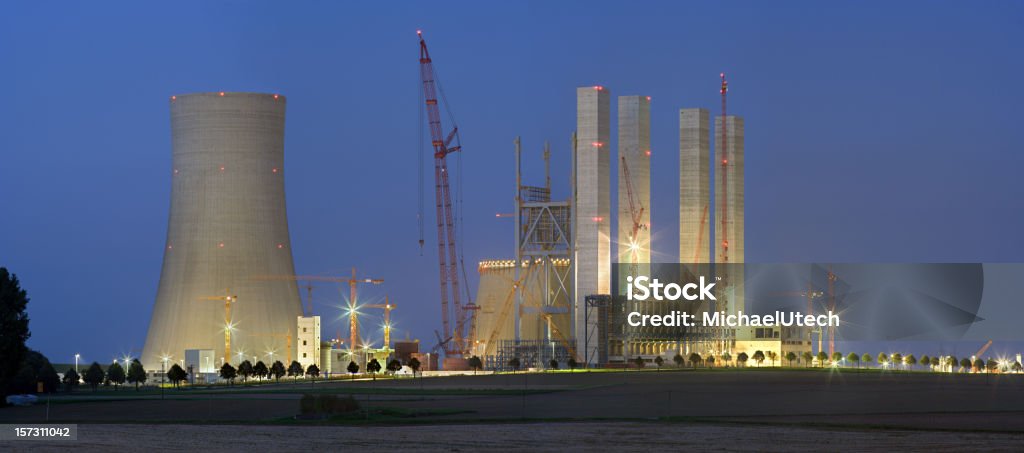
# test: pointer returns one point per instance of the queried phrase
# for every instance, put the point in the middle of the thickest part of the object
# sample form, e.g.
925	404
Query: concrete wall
730	188
593	193
227	226
694	186
635	147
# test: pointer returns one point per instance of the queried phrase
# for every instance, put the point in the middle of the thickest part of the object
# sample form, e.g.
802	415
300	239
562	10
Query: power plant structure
592	192
227	224
556	293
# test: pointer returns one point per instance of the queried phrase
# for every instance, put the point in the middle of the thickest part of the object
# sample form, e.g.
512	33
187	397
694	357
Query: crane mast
725	176
446	248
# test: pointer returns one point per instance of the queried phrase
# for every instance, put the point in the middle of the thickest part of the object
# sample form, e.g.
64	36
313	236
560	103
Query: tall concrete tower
227	228
635	149
729	194
695	208
593	205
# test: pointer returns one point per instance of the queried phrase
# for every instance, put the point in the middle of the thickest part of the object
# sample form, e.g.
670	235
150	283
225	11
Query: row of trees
114	375
837	359
514	363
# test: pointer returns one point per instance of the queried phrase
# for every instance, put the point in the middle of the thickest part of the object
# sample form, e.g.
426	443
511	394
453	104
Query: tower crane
387	306
454	324
353	313
228	299
636	213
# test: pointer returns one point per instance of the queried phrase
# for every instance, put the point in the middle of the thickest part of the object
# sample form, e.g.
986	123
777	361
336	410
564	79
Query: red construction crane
637	214
725	177
447	251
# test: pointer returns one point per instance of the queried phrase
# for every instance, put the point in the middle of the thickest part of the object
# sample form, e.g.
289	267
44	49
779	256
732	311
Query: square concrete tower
593	204
694	186
729	205
635	150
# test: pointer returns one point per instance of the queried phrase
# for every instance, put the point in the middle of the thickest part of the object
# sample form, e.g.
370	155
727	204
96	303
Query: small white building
308	341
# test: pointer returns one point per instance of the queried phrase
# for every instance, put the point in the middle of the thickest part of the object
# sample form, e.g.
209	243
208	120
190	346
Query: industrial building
694	186
227	224
592	205
634	208
308	342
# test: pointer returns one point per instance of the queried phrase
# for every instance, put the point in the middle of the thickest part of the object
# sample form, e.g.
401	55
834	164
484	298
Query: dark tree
553	364
659	361
572	363
979	365
808	358
694	359
373	367
35	369
742	358
414	363
260	370
639	361
394	366
116	374
475	363
822	358
992	365
758	357
176	374
228	373
1016	367
710	361
790	357
965	363
679	360
295	369
13	329
71	379
353	368
245	370
136	374
277	370
94	376
514	364
313	371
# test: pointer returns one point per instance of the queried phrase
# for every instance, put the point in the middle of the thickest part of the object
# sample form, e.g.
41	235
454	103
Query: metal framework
544	240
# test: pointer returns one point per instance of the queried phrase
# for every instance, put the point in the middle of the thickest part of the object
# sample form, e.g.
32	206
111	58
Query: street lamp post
77	356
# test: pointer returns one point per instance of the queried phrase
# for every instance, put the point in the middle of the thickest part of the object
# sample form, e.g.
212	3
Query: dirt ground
579	436
732	410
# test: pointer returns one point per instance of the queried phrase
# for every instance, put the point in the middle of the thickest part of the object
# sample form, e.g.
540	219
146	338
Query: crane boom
446	248
636	214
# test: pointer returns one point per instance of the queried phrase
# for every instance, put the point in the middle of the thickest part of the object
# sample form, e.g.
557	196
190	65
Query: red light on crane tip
222	168
275	96
174	97
724	161
648	98
222	93
274	170
648	152
221	245
280	246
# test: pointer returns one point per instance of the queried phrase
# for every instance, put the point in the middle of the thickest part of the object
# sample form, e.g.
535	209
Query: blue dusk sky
875	131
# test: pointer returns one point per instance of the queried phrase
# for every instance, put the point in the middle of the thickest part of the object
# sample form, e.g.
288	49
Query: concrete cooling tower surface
227	227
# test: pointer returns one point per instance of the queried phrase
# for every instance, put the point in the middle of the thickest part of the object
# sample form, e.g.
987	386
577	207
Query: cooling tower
227	231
